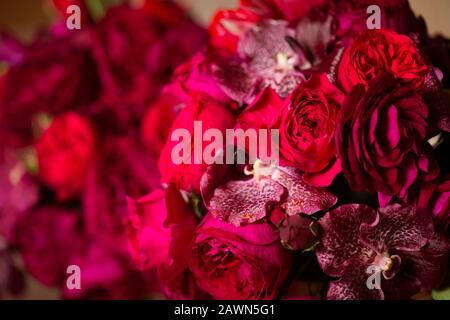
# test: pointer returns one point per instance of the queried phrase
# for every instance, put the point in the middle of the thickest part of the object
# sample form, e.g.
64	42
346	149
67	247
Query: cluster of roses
73	143
362	183
362	180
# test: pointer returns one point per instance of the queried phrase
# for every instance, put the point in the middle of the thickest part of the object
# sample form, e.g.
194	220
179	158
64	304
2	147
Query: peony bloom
380	139
399	243
375	52
290	10
149	239
435	197
65	154
238	263
441	207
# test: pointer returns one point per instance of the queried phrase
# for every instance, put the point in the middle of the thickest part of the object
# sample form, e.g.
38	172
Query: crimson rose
380	138
374	52
246	262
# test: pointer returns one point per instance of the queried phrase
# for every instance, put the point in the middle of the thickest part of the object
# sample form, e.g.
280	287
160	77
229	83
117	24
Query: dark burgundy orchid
398	242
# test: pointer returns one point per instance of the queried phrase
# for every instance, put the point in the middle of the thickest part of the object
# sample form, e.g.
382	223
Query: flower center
389	265
386	264
285	62
260	170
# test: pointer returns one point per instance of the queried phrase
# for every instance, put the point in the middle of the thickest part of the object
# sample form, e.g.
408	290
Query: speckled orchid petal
239	201
341	241
267	56
397	227
302	198
423	270
398	242
245	201
272	57
353	284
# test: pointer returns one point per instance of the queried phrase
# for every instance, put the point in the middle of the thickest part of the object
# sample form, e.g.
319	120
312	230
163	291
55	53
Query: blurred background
24	18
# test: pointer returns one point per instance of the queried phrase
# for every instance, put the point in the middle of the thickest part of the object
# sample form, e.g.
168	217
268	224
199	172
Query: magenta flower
397	242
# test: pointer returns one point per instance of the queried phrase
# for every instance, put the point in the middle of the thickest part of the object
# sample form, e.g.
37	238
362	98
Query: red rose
238	263
307	128
65	154
375	52
306	123
212	115
380	139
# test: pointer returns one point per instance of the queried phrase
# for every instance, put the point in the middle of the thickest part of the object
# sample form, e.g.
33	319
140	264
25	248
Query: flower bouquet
296	153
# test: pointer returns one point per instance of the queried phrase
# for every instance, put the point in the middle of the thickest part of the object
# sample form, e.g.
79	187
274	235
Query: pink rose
238	263
160	227
201	108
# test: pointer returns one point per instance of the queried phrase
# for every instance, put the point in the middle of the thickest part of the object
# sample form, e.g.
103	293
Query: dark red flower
399	243
380	139
375	52
238	263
